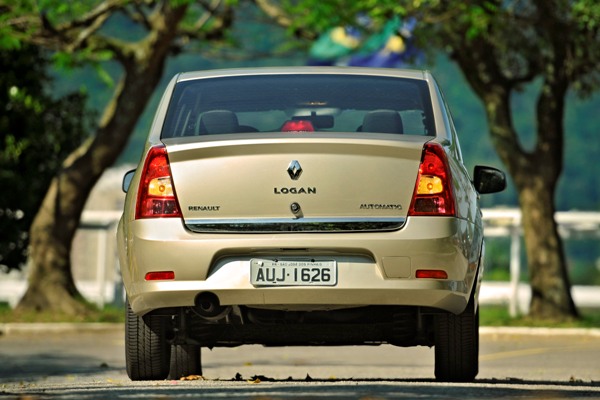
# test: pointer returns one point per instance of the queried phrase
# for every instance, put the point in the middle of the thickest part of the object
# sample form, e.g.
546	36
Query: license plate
293	272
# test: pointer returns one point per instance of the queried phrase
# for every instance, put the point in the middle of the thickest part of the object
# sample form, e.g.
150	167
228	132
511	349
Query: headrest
382	121
218	121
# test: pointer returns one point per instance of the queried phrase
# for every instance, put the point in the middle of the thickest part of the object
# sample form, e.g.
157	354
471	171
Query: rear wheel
147	353
457	345
185	361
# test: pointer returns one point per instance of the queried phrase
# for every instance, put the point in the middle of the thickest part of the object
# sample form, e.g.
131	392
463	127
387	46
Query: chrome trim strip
275	225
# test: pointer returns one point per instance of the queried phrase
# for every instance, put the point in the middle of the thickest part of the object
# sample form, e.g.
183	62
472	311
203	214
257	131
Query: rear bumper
374	268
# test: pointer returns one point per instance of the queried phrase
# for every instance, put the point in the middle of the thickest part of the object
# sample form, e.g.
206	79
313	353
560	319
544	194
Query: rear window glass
299	103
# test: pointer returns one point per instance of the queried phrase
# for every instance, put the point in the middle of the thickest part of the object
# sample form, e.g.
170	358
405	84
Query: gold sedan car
302	206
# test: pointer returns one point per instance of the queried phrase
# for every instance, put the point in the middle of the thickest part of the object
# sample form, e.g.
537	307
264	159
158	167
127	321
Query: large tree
78	33
500	46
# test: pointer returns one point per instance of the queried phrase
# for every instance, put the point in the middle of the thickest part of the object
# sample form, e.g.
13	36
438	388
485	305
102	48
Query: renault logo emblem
295	170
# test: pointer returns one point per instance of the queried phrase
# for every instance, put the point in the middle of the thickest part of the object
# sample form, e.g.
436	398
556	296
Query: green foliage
587	14
14	14
59	11
497	259
36	133
319	15
9	42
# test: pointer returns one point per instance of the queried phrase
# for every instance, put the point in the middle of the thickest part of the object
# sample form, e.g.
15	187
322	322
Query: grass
489	316
106	314
499	316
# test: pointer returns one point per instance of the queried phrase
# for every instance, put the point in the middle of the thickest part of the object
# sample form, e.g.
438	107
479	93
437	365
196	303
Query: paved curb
58	327
66	327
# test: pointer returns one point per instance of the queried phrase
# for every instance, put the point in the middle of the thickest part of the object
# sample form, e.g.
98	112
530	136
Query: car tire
457	345
147	353
185	361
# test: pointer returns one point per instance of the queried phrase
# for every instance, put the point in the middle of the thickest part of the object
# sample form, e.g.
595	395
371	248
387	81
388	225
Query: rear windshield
299	103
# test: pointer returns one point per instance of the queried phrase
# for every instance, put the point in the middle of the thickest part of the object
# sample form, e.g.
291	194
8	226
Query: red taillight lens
300	125
160	276
156	195
433	191
431	274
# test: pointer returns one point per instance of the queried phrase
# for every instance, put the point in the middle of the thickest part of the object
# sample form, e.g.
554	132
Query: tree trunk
536	174
550	286
51	285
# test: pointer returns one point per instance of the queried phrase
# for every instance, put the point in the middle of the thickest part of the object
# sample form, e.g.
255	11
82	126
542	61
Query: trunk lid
295	182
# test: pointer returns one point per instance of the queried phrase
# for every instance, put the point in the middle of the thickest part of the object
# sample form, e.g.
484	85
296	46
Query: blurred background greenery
254	43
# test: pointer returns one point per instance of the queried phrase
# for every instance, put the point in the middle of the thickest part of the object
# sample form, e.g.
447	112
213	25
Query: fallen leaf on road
192	378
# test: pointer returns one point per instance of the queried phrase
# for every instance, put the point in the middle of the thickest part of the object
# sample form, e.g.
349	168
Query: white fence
95	263
507	223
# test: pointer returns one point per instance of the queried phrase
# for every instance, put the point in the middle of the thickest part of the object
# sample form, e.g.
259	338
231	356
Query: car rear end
301	206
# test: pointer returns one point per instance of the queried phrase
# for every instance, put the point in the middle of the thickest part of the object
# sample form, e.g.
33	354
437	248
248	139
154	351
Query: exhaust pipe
207	306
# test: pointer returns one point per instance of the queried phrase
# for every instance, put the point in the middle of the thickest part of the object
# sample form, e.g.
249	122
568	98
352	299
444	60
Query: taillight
299	125
433	192
160	276
156	195
431	274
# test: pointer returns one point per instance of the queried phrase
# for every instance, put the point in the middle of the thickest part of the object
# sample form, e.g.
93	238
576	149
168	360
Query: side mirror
488	179
127	180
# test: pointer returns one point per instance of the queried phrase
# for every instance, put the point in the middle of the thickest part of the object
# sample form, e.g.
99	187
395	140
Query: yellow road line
513	354
533	351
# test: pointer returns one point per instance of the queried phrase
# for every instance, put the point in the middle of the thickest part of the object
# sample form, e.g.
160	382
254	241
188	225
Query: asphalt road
88	363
